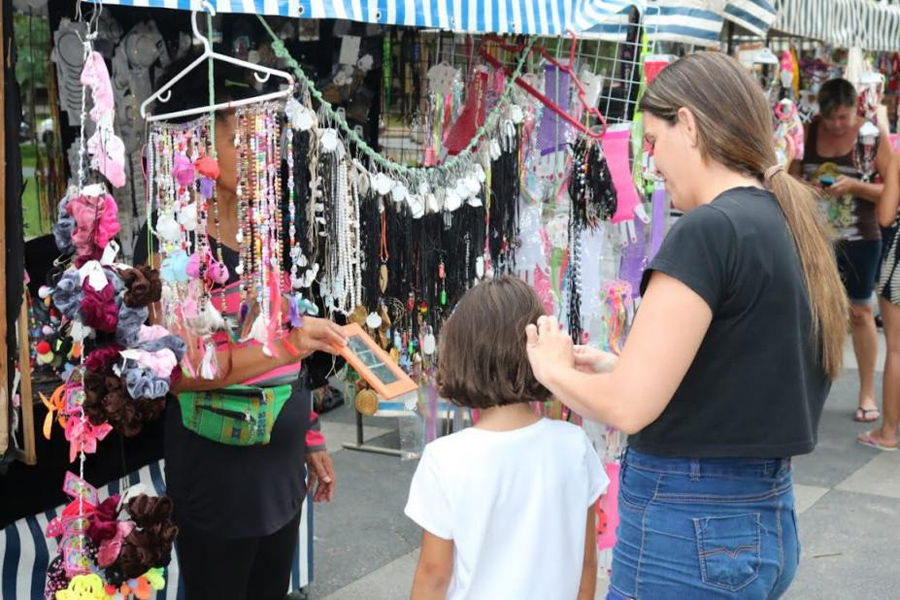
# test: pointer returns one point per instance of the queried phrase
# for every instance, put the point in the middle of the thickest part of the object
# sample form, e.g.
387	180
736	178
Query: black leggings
257	568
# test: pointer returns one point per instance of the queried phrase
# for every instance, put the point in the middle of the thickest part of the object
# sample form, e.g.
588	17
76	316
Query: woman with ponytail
731	355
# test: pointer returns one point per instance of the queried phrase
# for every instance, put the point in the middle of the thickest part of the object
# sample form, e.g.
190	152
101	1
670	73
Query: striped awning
532	17
693	22
865	24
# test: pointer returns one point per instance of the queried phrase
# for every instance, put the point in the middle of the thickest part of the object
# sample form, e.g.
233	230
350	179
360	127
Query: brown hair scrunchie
150	544
107	401
143	286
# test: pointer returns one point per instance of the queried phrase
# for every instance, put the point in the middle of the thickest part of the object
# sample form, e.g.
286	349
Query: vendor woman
238	507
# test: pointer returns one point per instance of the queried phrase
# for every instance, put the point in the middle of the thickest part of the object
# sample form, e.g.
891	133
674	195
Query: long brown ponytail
734	128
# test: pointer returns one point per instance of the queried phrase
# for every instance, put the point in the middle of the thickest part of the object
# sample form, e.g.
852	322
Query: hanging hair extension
504	207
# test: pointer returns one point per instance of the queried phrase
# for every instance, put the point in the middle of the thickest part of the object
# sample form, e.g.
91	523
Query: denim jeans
698	529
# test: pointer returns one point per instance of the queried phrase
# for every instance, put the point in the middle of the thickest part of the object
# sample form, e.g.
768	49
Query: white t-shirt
514	503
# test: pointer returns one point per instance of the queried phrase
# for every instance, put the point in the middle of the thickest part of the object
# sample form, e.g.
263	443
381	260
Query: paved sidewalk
848	497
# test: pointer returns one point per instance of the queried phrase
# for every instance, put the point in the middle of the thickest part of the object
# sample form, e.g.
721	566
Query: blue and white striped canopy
693	22
696	22
533	17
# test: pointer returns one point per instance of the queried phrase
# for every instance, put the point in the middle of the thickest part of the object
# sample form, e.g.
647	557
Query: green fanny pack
239	415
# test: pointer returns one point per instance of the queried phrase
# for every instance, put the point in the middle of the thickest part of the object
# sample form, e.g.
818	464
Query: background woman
832	161
885	437
730	357
238	507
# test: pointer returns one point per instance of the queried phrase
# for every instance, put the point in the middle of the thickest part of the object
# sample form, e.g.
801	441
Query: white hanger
261	73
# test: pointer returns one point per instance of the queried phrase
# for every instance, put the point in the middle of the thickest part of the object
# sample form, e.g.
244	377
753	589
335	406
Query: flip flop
861	415
866	439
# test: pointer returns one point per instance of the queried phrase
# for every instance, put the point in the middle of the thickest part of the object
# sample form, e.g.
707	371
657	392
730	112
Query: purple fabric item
658	219
634	260
553	130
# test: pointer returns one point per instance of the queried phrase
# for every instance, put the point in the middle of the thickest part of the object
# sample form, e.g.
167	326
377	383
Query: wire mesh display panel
408	118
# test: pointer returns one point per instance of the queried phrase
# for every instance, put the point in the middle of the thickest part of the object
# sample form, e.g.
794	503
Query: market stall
395	155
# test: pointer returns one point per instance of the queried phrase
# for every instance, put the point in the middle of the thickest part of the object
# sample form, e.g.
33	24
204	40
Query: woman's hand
549	348
592	360
317	335
321	472
843	186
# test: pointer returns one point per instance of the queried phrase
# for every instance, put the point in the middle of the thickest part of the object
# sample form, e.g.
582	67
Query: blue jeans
698	529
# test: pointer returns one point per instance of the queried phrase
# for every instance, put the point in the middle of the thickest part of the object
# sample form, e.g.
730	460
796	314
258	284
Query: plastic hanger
766	57
566	68
262	74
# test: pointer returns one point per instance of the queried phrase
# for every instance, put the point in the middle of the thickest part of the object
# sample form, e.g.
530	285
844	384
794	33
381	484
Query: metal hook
262	78
163	98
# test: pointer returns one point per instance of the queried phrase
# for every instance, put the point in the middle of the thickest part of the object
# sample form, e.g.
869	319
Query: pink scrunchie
148	333
96	222
110	548
99	308
161	362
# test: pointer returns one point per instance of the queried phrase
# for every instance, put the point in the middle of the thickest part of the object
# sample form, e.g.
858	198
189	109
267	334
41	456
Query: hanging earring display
590	184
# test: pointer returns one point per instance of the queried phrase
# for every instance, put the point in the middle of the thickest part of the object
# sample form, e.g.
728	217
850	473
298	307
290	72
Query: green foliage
33	50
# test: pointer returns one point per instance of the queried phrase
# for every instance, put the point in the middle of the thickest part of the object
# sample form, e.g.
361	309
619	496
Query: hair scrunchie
172	342
142	382
143	286
101	358
62	230
129	326
150	543
99	308
68	295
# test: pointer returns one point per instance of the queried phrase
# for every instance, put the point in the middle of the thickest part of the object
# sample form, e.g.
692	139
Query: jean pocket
729	549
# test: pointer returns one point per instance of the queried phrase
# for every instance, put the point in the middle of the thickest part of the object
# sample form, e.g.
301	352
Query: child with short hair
507	506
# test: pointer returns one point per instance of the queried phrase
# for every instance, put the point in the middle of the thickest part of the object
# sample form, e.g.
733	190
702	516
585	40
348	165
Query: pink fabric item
149	333
609	504
107	161
616	148
160	362
183	170
99	308
83	436
215	271
208	167
96	222
110	548
96	76
314	438
103	520
107	150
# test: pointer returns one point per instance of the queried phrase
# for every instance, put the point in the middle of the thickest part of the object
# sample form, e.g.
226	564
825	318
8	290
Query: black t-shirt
757	385
236	491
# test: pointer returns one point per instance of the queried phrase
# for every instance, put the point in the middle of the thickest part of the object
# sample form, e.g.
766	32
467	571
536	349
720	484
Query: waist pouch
239	415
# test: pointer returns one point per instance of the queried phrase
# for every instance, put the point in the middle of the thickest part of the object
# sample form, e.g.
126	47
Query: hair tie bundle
129	326
98	309
142	383
143	286
67	296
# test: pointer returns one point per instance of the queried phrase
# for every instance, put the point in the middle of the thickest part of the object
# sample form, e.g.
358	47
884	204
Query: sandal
862	415
867	439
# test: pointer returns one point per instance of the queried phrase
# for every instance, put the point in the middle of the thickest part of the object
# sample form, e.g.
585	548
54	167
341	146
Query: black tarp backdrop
26	490
15	242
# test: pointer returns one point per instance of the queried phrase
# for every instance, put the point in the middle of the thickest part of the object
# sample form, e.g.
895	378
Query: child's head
483	361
